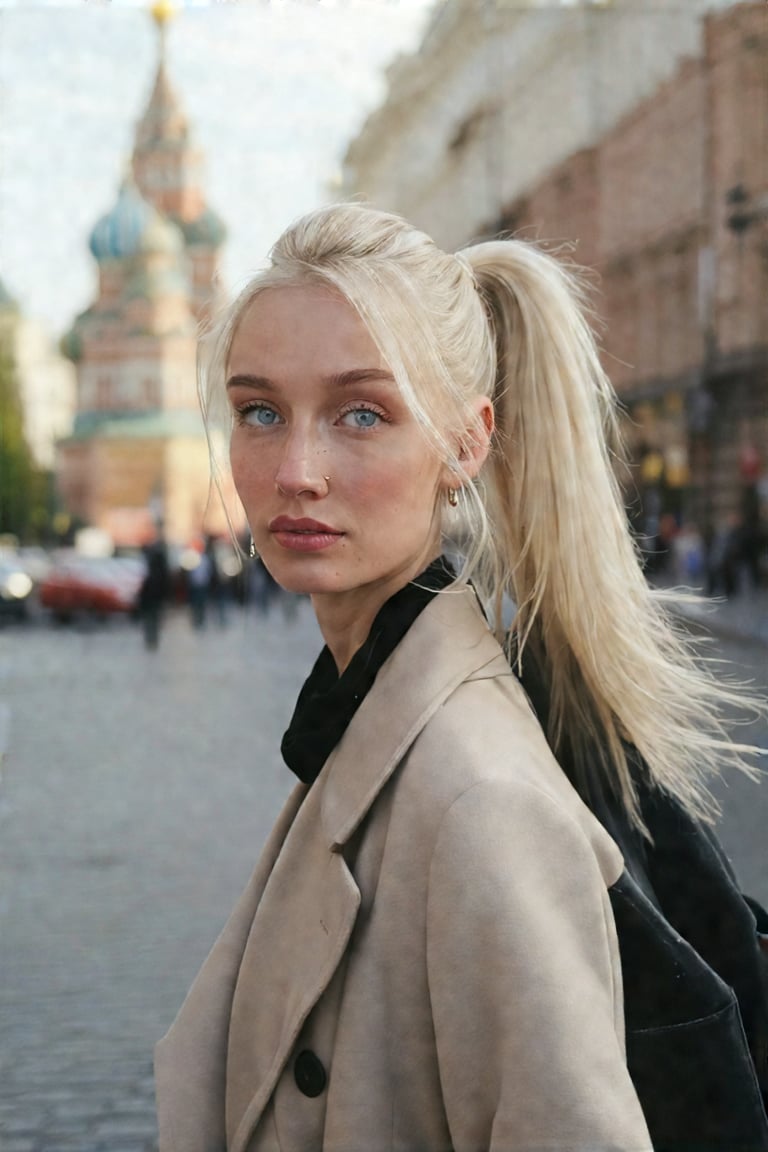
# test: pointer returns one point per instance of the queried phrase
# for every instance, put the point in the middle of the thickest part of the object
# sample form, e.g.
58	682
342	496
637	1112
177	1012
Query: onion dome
169	277
207	229
161	236
71	343
118	234
155	283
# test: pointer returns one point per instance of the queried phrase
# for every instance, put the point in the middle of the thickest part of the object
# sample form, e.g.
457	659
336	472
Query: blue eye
260	415
361	418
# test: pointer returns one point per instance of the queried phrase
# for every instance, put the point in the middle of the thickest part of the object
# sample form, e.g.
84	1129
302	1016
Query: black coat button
309	1073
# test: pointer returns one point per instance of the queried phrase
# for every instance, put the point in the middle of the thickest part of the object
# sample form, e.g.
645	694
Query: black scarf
327	702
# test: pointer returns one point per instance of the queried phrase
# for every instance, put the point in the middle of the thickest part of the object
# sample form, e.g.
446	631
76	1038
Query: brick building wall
684	297
737	55
499	94
651	226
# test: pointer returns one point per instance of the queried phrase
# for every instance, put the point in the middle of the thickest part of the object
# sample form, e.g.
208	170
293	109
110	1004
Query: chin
307	586
306	576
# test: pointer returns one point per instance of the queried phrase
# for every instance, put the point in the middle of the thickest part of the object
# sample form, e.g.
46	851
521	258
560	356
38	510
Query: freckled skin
296	424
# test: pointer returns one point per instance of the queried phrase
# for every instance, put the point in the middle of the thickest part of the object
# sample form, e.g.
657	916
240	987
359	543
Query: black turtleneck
327	702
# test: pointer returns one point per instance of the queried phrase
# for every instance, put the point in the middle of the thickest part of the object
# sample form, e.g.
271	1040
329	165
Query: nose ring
284	493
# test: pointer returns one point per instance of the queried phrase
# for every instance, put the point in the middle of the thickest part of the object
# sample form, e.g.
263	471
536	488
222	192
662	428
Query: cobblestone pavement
136	791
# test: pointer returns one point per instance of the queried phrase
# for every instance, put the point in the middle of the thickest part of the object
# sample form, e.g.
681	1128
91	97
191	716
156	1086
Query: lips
304	534
303	525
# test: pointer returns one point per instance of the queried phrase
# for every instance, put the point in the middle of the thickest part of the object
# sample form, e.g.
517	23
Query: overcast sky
274	90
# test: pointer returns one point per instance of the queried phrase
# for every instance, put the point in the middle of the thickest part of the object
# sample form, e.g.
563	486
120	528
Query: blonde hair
544	523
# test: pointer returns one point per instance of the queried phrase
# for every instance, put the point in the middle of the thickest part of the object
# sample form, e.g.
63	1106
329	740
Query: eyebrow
337	380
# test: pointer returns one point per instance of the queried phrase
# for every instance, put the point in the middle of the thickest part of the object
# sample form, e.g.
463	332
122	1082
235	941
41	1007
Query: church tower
138	452
168	172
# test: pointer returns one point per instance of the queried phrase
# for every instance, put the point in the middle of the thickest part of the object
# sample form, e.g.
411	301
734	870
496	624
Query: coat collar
448	642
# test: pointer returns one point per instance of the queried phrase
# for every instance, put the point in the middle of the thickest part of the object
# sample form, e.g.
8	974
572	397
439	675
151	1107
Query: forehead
293	325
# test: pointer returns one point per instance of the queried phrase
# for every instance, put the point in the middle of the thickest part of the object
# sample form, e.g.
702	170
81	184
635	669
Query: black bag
694	970
695	984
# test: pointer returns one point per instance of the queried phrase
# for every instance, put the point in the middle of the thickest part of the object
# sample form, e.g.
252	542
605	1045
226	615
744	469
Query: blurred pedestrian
427	956
752	534
154	591
262	588
217	591
688	553
724	555
198	584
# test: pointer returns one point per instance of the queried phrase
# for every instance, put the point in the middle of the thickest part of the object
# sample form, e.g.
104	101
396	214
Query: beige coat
430	921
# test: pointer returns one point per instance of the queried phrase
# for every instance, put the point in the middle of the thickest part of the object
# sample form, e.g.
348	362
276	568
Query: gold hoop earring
453	497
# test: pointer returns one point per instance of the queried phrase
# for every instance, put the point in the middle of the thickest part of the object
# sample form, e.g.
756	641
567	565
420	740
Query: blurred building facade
638	134
46	380
138	453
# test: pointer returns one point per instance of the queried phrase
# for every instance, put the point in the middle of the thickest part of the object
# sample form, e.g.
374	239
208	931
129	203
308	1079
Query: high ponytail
620	673
544	523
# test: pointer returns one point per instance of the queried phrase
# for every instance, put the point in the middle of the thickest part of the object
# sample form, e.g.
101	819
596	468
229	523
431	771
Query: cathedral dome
147	283
71	343
207	229
153	279
161	236
118	234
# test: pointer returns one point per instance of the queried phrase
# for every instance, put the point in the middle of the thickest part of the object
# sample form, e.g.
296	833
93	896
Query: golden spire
163	11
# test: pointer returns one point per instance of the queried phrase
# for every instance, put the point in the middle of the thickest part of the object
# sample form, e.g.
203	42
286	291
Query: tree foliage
23	486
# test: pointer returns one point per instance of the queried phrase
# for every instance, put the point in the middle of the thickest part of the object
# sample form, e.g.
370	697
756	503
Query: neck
345	618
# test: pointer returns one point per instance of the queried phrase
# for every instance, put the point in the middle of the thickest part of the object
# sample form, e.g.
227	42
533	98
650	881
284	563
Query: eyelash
359	406
242	411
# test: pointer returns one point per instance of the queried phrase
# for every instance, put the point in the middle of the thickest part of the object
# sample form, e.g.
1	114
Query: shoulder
446	716
483	763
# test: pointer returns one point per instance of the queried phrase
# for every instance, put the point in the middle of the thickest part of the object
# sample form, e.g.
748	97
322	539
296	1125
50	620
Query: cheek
249	469
237	463
407	490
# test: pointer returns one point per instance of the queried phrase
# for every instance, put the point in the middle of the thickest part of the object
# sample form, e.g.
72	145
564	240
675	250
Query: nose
302	465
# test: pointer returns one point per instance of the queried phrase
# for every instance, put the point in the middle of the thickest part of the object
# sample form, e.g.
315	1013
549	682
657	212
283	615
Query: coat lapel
448	643
307	912
290	931
300	932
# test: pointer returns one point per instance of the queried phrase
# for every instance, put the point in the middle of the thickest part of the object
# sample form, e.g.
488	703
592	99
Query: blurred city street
137	789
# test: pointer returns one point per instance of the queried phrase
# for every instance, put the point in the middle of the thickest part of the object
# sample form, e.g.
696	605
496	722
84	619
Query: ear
473	444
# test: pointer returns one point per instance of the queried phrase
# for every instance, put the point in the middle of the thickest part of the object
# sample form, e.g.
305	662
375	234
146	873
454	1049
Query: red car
99	586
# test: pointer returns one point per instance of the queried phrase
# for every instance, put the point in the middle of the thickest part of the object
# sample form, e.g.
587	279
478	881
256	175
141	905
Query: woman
426	957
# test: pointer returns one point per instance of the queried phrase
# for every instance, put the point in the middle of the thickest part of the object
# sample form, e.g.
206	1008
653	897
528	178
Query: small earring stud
252	550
